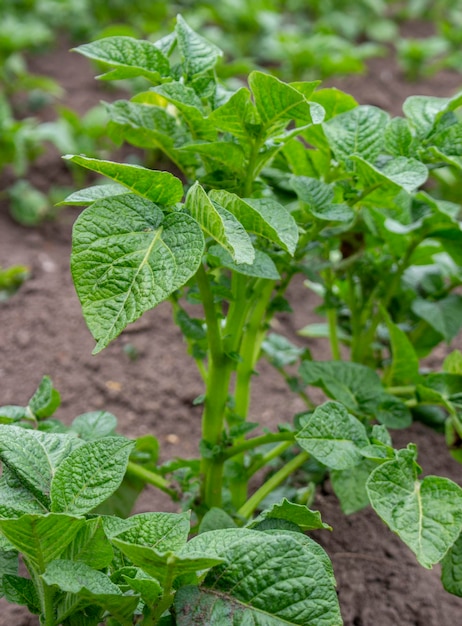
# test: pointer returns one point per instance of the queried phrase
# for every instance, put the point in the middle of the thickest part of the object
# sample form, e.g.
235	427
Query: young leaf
89	586
127	258
45	400
262	216
41	538
358	131
220	224
129	57
298	514
198	54
278	103
427	514
159	187
89	475
333	436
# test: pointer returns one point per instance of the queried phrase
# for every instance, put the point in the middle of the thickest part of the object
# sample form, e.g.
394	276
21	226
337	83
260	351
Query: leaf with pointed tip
222	154
127	258
278	103
19	590
319	198
198	54
395	175
33	457
236	116
444	315
9	565
90	546
154	185
41	538
398	137
262	267
427	514
88	586
358	131
45	400
333	436
89	475
270	578
162	531
15	498
96	192
298	514
424	112
94	425
262	216
129	57
220	224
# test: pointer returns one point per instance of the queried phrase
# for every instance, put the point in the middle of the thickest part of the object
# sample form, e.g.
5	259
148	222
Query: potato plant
275	179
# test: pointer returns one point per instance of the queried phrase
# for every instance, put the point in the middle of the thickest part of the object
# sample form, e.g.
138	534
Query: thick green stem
151	478
405	390
333	335
216	397
274	481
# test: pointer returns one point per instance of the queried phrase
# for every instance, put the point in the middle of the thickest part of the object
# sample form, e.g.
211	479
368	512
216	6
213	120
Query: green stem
268	457
333	335
274	481
404	390
167	597
255	442
151	478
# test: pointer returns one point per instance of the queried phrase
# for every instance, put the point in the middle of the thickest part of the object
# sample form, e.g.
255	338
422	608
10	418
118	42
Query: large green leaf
127	258
198	54
154	185
359	131
400	173
16	499
427	514
267	579
129	57
41	538
88	586
278	103
89	475
424	112
262	216
220	224
333	436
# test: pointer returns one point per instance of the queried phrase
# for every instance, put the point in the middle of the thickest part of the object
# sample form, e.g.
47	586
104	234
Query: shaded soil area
42	332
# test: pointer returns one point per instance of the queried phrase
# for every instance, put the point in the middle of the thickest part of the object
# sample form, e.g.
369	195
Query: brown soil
42	332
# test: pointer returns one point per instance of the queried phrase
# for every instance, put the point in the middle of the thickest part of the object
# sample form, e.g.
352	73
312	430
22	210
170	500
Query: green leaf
163	531
262	216
127	258
89	586
45	400
427	514
220	224
15	498
33	457
19	590
354	385
444	315
41	538
223	154
148	588
262	267
452	364
359	131
404	367
236	116
94	425
90	546
198	54
91	194
398	137
11	413
395	175
89	475
267	578
424	112
298	514
349	486
159	187
129	57
319	196
451	572
8	565
216	519
278	103
333	436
